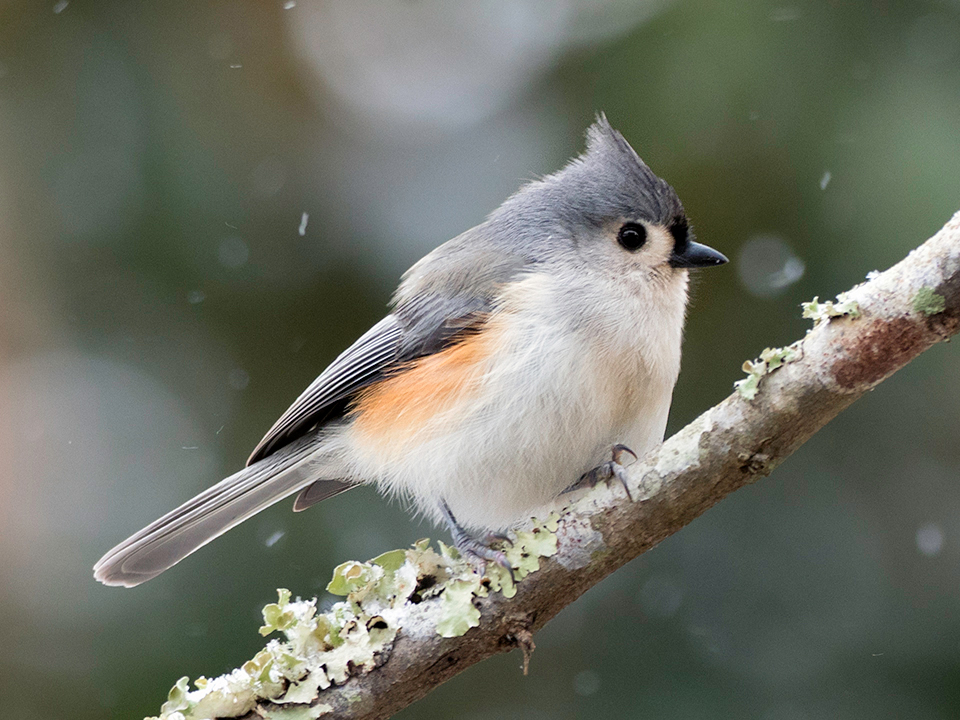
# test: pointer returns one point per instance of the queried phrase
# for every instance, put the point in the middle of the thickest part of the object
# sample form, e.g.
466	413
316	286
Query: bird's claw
613	468
479	553
619	451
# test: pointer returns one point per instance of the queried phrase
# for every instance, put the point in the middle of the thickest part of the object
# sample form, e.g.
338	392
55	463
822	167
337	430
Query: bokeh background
202	203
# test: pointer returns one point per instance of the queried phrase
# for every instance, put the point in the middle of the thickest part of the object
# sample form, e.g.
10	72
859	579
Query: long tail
165	542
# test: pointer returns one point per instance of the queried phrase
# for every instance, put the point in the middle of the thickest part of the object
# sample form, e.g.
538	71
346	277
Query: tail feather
180	532
319	491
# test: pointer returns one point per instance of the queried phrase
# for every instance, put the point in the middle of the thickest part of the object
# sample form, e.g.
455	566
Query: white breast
557	391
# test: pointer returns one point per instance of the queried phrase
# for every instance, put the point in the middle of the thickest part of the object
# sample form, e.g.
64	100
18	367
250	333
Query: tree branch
874	330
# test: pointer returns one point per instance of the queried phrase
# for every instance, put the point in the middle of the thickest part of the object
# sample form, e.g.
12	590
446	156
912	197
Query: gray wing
389	344
446	294
359	365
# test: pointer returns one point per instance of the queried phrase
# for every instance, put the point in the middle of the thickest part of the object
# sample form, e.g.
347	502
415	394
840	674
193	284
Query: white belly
545	407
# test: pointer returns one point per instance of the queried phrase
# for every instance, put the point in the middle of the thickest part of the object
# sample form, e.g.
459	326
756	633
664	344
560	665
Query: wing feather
445	295
358	366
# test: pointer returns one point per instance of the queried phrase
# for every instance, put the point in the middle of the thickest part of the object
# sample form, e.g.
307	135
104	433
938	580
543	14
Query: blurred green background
159	307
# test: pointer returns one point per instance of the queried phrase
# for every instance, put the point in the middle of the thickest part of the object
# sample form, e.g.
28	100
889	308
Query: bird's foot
474	550
613	468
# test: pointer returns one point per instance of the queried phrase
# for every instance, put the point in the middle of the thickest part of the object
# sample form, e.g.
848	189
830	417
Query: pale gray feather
320	491
360	364
168	540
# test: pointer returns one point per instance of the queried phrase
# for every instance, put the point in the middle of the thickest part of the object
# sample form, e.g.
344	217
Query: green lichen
824	311
773	358
177	697
459	614
276	616
524	554
352	638
531	545
351	576
770	359
927	302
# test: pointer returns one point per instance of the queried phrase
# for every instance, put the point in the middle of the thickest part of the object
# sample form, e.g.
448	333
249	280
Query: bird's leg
477	552
613	468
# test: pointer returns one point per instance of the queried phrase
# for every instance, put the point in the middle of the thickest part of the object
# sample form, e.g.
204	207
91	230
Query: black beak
695	255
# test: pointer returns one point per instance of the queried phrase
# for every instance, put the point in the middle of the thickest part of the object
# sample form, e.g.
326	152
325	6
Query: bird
528	355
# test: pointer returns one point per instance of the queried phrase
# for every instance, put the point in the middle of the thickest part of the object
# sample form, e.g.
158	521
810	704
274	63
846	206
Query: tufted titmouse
515	356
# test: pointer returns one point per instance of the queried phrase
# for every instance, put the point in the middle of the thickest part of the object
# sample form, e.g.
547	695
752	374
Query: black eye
681	234
632	236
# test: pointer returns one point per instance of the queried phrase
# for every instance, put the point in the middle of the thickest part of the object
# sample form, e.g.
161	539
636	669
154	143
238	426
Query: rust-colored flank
397	408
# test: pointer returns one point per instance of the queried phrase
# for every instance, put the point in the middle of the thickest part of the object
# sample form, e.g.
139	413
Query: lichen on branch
412	619
356	635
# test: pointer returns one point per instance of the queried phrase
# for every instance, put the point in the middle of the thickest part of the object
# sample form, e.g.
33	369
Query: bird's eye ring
632	236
